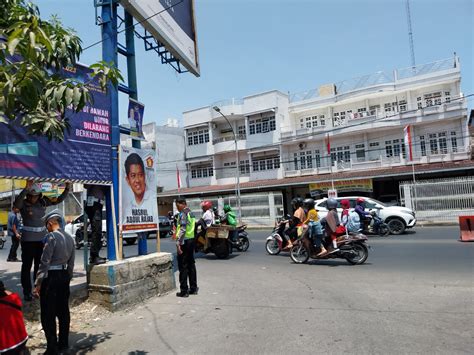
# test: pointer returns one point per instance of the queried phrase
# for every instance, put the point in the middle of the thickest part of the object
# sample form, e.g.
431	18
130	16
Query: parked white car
398	218
74	225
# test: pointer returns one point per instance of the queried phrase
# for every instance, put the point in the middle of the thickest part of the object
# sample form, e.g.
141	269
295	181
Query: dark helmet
331	203
308	203
297	202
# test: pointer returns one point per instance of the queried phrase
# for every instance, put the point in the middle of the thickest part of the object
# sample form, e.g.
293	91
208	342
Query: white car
398	218
74	225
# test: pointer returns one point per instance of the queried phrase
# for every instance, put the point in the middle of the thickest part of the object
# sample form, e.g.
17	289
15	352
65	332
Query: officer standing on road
32	205
185	247
52	283
13	230
94	204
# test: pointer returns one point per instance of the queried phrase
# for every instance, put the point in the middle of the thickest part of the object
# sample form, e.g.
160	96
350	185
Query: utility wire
133	26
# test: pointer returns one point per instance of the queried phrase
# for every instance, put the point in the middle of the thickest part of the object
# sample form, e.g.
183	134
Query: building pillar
271	205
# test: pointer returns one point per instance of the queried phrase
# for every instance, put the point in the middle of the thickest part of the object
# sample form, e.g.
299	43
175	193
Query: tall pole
109	55
410	35
239	208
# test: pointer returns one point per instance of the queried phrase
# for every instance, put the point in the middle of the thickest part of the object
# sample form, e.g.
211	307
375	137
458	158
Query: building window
390	107
432	99
443	145
402	105
198	137
423	146
341	154
374	153
241	130
262	125
306	160
262	164
373	109
295	161
322	121
317	158
200	172
419	103
244	167
454	142
360	152
388	149
396	147
433	144
302	123
339	118
447	96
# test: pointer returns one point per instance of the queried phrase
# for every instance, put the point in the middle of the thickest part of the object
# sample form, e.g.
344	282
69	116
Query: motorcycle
243	238
277	242
79	237
379	227
352	247
214	240
2	241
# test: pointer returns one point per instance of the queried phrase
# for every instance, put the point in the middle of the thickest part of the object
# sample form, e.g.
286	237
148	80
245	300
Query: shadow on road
83	343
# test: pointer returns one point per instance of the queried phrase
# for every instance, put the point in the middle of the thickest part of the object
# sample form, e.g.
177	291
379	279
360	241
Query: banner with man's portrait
138	204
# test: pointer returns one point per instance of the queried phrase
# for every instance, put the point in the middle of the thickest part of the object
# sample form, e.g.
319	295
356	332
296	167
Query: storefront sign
138	203
362	185
83	156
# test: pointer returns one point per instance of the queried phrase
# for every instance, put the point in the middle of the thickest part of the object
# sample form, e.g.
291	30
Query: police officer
185	247
32	205
52	283
94	204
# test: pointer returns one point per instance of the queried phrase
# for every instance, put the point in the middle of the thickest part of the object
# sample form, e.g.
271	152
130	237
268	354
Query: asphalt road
414	295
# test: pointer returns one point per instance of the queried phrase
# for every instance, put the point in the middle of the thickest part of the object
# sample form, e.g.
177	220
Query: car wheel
396	226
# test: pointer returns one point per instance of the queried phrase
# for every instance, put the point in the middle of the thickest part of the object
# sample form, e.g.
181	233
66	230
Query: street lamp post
239	209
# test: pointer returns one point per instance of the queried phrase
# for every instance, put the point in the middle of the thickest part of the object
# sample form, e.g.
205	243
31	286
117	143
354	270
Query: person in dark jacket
52	283
32	205
13	230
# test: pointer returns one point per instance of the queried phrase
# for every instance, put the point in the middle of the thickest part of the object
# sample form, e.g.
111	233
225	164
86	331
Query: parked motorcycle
79	237
277	242
352	247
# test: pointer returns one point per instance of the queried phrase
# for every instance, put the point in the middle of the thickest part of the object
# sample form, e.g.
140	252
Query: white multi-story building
283	140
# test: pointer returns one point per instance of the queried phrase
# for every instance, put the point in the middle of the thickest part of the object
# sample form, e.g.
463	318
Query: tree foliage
32	53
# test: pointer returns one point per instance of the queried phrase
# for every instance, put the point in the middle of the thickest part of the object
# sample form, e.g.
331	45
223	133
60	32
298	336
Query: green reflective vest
189	227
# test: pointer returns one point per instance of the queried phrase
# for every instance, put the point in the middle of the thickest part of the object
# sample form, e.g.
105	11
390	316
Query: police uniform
54	276
33	232
94	205
186	262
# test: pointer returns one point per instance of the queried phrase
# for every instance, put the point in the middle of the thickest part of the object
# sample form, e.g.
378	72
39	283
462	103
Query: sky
251	46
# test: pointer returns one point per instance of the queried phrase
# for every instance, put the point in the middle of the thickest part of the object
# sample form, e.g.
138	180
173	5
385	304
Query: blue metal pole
133	88
109	54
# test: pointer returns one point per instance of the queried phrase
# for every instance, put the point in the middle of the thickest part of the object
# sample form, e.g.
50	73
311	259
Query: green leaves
30	87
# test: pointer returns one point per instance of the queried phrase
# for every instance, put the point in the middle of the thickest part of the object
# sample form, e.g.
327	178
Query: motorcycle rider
312	220
231	220
297	220
364	216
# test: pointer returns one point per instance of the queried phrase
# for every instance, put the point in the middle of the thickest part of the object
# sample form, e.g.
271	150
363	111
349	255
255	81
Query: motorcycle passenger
207	218
312	218
297	220
350	220
364	216
231	220
332	224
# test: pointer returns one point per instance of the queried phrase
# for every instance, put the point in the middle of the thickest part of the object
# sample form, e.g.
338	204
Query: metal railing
239	137
380	77
439	200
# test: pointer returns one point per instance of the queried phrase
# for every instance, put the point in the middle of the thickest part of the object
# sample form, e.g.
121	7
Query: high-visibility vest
189	227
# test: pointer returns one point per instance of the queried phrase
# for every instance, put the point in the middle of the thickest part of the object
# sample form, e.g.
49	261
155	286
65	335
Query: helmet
227	208
360	200
345	204
331	203
35	190
297	202
308	203
206	205
53	215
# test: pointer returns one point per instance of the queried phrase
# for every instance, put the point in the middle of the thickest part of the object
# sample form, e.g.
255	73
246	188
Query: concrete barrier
126	282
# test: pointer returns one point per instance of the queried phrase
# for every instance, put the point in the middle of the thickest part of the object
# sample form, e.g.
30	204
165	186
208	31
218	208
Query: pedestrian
94	204
13	230
185	247
52	283
32	205
13	335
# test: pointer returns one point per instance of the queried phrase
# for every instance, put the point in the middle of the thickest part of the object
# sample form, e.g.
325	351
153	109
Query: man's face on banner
136	181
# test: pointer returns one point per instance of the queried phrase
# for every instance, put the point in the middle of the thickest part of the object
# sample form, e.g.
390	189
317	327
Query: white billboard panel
174	27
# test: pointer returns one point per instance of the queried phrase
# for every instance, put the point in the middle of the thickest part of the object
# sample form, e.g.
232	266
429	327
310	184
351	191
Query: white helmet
35	190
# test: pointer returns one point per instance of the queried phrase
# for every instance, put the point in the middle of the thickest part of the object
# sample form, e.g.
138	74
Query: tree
32	53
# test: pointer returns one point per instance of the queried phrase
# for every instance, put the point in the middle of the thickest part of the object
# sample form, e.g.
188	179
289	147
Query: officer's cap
53	215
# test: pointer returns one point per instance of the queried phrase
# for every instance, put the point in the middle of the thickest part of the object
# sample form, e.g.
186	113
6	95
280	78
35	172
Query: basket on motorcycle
221	231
